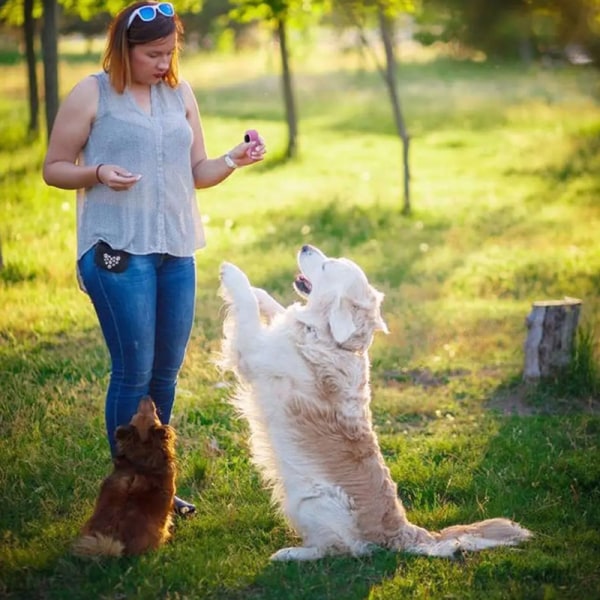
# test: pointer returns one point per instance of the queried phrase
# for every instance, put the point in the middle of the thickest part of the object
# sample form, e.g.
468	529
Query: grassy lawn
505	212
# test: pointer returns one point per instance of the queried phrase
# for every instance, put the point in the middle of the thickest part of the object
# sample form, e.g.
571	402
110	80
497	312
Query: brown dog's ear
124	432
164	432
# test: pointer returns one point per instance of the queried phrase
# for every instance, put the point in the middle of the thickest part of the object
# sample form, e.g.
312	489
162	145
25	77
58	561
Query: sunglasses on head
148	13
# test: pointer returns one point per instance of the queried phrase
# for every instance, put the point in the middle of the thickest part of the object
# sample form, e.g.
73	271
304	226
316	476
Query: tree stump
552	326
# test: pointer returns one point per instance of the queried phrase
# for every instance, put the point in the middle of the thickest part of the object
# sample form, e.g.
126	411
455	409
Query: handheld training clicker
251	136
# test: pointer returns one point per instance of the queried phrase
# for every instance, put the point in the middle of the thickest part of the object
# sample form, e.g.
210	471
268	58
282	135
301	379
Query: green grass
505	194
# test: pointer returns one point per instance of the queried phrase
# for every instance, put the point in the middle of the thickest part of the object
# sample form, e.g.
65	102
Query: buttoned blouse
160	212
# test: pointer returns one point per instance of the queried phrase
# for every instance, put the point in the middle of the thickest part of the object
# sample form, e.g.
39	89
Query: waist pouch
109	259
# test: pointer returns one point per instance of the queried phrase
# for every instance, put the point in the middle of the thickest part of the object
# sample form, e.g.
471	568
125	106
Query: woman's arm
211	171
69	135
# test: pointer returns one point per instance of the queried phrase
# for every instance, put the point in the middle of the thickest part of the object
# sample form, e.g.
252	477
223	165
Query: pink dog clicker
251	136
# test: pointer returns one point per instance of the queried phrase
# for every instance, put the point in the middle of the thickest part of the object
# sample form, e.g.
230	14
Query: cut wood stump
552	325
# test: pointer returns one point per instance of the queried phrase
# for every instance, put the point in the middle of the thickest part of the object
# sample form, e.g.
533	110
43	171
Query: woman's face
151	61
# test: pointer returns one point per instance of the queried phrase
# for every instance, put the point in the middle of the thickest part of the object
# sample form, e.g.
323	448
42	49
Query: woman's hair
116	60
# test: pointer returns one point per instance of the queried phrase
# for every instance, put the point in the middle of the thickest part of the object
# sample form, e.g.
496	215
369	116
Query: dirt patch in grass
526	399
423	377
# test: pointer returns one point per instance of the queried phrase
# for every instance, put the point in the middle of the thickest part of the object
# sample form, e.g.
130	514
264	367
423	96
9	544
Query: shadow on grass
540	471
583	161
529	469
335	578
64	356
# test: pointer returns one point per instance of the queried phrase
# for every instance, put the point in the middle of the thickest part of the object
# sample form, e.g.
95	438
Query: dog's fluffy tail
471	538
97	544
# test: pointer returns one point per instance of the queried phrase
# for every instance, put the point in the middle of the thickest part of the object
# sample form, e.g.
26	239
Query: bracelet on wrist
230	162
98	173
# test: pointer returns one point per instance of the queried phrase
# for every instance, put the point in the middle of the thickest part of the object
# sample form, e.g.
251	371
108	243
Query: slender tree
23	14
29	38
282	14
50	59
387	37
288	89
359	14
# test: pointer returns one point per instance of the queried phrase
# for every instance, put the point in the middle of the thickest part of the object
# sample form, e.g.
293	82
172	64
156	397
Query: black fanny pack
109	259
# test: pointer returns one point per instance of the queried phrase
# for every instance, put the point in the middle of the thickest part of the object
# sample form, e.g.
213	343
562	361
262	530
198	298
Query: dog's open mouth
302	284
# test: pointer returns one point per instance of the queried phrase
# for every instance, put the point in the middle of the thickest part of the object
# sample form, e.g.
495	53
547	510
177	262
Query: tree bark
390	79
552	325
288	93
50	57
29	34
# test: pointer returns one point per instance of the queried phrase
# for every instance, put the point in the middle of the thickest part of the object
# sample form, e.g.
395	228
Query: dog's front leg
243	329
237	291
268	306
238	294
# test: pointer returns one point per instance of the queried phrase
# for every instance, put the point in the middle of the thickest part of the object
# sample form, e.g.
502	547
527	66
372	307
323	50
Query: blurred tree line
529	30
502	29
509	29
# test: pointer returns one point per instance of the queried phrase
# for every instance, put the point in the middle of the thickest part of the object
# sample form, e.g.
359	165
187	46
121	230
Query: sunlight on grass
505	212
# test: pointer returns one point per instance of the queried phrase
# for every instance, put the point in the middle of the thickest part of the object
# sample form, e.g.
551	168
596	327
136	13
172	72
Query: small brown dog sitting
134	510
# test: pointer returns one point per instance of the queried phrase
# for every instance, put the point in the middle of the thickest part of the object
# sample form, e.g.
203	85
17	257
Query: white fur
303	374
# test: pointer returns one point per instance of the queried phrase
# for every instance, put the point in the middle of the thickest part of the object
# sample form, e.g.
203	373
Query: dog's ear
380	324
162	432
340	320
124	432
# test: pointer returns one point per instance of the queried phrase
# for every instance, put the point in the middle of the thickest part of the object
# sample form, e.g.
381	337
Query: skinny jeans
146	314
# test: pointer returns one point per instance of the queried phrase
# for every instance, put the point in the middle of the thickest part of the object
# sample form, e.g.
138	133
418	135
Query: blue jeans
146	315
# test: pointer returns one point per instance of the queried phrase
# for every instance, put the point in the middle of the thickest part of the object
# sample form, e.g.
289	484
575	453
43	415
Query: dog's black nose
306	248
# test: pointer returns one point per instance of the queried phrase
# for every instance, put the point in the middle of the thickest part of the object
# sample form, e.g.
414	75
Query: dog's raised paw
235	286
232	276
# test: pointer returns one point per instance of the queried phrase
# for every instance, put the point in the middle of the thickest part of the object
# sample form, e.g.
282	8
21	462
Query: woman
130	140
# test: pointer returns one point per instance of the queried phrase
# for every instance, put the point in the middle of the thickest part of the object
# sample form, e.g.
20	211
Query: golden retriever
303	375
133	513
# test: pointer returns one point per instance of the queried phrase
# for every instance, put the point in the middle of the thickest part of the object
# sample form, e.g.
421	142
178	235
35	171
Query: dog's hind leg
327	525
298	553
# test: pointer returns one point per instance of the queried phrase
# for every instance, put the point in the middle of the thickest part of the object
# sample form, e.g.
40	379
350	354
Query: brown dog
133	512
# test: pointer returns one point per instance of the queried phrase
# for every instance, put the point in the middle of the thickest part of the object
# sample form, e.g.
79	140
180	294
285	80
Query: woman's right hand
116	178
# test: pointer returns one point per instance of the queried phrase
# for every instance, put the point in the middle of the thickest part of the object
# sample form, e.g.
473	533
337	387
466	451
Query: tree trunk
552	325
50	57
29	34
288	93
526	38
386	30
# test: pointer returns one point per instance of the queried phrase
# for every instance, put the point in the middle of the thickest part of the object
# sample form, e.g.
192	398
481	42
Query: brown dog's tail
97	544
464	538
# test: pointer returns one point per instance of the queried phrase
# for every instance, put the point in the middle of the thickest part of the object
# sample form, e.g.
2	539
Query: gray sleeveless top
160	212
